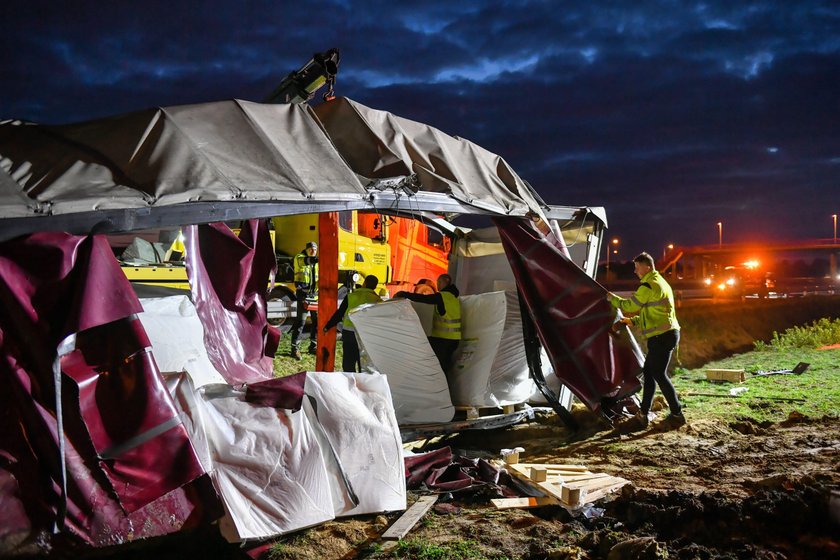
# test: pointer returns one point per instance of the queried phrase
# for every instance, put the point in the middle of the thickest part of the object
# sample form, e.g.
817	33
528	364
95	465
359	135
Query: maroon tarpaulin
571	314
229	278
441	470
282	392
126	456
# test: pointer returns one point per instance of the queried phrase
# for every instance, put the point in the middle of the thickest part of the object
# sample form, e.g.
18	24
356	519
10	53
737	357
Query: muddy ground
706	490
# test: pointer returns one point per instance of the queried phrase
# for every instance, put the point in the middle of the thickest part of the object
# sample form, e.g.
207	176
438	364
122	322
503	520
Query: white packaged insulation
490	364
393	343
268	467
361	439
177	338
278	471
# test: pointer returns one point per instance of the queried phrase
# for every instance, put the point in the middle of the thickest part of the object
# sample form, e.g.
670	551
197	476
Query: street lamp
668	247
615	242
720	235
834	216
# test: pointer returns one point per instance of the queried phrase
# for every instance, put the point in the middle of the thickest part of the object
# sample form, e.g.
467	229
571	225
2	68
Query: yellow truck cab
360	253
399	251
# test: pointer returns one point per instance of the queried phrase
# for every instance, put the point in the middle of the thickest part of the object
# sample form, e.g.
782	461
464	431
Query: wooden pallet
567	485
474	412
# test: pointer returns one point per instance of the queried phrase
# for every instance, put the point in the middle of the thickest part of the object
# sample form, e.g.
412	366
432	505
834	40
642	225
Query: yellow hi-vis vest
304	272
654	303
448	325
357	297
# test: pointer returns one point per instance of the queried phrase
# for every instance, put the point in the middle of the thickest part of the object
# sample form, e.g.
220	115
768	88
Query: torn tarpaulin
282	392
115	416
229	277
572	316
442	471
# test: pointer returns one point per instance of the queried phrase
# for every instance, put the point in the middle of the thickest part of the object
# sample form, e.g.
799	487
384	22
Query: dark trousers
444	349
660	349
300	320
350	359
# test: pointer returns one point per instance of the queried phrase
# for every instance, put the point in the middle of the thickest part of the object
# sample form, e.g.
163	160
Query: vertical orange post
327	288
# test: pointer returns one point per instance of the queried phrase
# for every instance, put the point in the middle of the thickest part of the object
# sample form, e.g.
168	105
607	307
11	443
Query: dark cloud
673	116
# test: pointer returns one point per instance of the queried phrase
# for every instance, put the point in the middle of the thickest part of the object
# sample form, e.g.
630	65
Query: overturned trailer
101	444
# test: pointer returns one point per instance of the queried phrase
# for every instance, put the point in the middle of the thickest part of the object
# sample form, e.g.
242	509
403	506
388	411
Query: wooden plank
410	518
598	494
511	503
575	494
595	483
731	375
525	470
579	477
552	490
552	467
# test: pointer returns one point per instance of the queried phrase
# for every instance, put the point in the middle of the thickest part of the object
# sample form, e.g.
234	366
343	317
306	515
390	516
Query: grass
823	332
286	365
422	549
819	386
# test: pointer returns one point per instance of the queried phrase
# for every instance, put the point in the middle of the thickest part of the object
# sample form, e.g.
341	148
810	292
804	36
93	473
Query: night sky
672	115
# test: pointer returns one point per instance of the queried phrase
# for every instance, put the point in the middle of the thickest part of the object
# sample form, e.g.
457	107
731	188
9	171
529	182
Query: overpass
705	258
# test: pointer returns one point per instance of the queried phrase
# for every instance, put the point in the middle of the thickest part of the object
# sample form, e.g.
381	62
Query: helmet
311	245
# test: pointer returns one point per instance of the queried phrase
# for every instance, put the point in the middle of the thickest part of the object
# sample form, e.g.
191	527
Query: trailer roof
235	159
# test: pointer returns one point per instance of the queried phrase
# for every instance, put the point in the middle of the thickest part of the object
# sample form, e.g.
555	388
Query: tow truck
742	281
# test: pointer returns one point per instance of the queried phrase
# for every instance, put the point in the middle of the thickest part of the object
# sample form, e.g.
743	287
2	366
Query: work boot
313	350
295	353
674	421
635	423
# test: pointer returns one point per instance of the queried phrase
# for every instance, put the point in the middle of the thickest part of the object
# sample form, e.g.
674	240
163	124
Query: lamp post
668	247
834	216
615	242
720	235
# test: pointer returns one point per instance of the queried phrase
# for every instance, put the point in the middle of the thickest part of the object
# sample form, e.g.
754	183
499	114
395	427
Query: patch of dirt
706	490
336	539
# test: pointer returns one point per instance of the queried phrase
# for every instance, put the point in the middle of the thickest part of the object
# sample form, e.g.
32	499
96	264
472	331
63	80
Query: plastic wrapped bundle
360	439
490	365
269	468
393	343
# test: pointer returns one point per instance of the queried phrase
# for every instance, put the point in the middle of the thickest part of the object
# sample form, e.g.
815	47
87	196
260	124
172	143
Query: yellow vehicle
359	252
401	252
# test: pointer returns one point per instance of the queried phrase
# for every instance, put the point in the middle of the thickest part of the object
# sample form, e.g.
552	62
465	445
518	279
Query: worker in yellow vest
446	321
306	287
653	304
351	359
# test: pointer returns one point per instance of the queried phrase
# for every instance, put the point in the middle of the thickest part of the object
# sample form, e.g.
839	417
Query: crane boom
300	86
